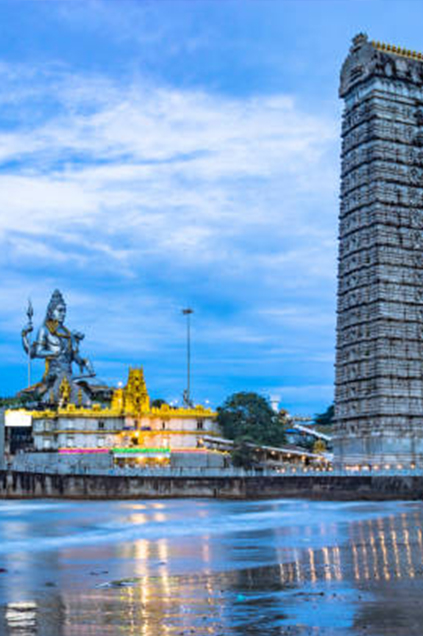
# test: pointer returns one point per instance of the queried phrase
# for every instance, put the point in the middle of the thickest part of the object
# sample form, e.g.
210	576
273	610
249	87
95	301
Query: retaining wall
27	485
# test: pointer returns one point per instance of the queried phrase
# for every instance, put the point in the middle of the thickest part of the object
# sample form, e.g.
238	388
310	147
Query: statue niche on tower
59	347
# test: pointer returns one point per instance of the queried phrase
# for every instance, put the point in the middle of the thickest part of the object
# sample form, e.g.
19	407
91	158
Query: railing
215	472
143	472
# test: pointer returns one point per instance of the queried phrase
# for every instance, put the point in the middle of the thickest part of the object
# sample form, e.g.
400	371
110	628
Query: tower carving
379	362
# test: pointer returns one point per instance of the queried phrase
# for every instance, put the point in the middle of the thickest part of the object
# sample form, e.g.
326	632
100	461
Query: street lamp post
187	393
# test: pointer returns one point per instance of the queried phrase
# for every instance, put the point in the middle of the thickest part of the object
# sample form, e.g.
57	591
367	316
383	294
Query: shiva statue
59	347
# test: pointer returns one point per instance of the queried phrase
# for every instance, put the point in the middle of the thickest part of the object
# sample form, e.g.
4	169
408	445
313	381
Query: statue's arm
89	366
83	363
25	339
77	336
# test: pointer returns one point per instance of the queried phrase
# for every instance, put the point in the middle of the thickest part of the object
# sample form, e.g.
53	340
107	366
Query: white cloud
180	190
163	149
192	177
298	316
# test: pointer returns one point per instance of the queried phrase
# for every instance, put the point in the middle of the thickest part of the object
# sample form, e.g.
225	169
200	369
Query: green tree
158	402
250	416
15	402
327	418
243	455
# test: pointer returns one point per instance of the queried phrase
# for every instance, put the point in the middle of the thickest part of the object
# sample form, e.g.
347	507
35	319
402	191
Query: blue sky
157	155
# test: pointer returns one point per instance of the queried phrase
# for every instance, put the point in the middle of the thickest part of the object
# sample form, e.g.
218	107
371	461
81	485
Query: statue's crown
55	300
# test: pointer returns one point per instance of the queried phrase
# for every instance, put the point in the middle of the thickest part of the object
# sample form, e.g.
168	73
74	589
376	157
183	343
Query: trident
29	313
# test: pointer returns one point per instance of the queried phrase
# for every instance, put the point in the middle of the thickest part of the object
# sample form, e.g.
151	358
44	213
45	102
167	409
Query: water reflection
42	617
224	583
21	617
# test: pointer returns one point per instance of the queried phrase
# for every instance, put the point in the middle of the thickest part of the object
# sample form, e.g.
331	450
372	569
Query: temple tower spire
379	363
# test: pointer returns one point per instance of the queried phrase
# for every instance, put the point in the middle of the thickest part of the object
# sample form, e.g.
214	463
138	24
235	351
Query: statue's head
56	309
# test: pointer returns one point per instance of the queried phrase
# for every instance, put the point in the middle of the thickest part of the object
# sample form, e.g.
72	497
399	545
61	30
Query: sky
157	155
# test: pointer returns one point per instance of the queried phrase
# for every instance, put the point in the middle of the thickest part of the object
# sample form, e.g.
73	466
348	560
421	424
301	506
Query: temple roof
373	59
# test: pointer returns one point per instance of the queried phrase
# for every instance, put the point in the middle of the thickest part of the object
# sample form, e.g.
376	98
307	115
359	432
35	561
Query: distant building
379	364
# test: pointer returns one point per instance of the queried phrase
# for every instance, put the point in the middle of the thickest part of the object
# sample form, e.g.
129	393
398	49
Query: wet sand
201	567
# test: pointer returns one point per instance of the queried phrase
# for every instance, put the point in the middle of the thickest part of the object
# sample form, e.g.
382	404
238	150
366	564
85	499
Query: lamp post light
187	393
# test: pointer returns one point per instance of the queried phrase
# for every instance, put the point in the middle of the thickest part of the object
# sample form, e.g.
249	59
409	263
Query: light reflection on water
330	576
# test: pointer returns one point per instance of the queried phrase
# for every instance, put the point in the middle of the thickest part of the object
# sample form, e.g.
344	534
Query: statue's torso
56	341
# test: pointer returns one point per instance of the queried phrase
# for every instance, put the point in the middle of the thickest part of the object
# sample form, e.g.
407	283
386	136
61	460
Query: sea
202	567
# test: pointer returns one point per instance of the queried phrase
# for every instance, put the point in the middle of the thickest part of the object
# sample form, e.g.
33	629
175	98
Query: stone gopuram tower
379	365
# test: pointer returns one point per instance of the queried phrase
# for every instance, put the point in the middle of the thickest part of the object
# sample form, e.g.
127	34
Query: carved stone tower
379	366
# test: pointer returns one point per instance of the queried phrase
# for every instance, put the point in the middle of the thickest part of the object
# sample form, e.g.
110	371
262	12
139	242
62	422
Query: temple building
129	432
379	364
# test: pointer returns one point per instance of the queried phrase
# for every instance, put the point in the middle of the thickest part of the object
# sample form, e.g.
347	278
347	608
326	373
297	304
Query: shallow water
200	567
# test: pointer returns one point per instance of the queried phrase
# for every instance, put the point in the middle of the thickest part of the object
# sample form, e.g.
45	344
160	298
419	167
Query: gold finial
398	50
